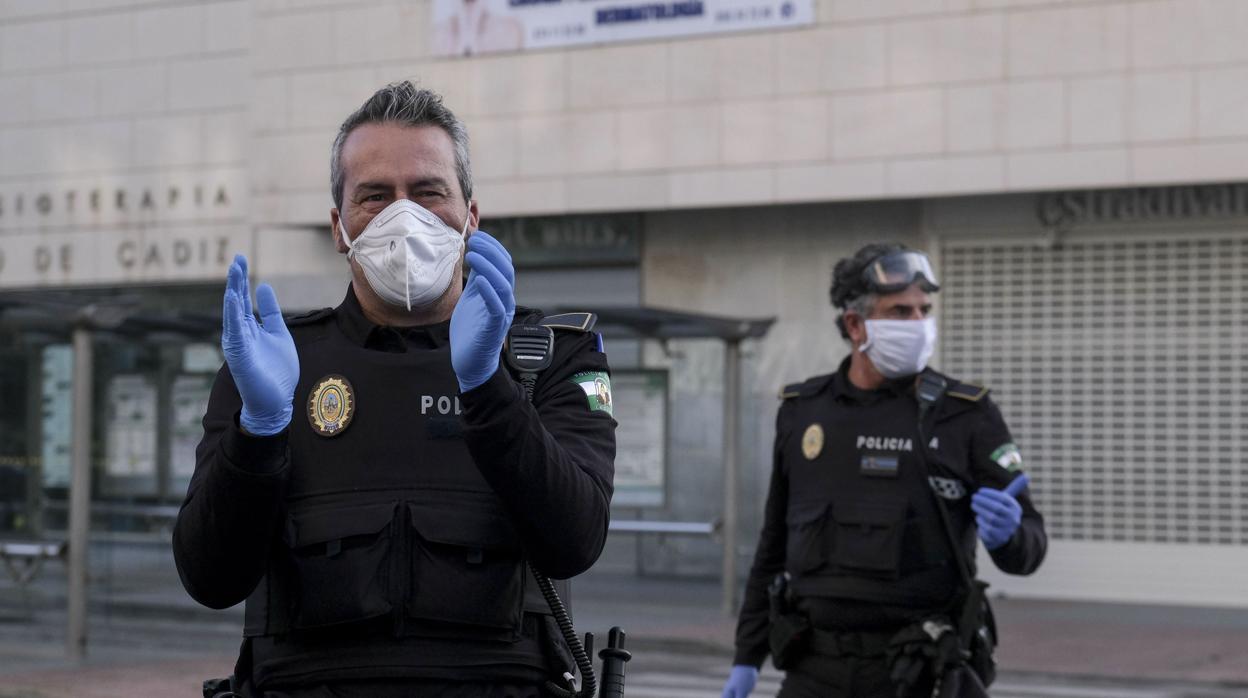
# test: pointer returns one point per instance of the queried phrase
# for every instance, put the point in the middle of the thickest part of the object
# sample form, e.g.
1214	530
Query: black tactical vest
395	553
862	523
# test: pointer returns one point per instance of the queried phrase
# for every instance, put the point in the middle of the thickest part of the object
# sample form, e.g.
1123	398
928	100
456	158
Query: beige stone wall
903	98
120	123
877	100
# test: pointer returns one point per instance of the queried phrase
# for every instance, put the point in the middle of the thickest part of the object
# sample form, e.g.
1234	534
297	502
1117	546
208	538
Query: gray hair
403	103
863	305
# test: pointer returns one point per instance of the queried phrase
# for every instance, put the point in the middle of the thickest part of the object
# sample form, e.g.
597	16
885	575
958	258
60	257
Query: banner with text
470	27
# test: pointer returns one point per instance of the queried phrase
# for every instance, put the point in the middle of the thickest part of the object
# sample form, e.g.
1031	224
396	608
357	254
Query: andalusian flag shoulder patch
1008	456
597	387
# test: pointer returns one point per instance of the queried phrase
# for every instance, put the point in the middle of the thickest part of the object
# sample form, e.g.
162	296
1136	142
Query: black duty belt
855	644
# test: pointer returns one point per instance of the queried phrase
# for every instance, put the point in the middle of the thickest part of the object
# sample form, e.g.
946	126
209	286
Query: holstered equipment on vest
789	631
219	688
529	350
971	641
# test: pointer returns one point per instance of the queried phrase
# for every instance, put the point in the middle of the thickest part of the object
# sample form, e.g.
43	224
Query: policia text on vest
389	550
851	519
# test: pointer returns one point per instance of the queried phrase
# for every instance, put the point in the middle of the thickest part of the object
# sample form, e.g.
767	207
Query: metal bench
661	528
24	560
686	528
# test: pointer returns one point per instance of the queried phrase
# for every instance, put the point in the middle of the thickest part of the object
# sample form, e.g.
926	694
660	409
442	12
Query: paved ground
1043	637
653	673
149	639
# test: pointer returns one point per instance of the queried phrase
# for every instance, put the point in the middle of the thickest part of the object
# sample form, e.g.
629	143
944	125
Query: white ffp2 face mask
407	253
900	348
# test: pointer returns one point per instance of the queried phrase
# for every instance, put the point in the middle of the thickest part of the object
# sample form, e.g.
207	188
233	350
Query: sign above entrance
470	27
67	202
569	240
171	254
134	201
1063	211
74	231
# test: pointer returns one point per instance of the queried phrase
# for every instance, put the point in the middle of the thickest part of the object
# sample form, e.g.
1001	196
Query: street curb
1094	678
658	643
167	612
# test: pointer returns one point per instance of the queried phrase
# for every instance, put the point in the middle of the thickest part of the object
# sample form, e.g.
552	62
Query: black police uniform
850	517
389	556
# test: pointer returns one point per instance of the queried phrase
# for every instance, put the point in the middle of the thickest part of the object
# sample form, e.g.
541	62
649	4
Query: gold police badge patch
331	405
812	442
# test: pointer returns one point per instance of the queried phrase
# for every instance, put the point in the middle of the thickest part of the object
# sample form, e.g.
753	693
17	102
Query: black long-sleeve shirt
551	462
977	437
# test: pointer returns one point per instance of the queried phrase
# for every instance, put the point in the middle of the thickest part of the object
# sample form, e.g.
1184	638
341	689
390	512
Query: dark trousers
842	677
409	689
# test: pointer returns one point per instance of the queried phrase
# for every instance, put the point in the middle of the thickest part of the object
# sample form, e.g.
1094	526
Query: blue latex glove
741	681
261	357
998	513
483	314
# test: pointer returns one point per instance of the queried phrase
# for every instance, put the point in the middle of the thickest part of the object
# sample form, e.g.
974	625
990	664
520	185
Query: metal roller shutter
1120	364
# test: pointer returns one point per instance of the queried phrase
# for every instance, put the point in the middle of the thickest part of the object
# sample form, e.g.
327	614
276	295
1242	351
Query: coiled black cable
588	683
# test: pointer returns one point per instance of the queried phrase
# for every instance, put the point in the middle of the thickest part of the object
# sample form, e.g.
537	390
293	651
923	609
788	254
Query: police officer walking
884	472
372	479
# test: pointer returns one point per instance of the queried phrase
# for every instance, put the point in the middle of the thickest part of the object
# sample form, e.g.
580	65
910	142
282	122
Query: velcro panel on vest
466	568
339	554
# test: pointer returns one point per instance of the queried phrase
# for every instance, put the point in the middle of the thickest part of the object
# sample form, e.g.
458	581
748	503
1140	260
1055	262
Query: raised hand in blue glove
261	357
998	513
484	312
741	681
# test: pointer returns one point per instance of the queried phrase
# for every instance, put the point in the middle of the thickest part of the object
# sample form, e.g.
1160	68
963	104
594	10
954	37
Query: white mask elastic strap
865	328
342	228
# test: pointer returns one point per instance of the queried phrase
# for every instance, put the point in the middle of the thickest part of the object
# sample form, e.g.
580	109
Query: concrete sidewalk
145	602
1037	637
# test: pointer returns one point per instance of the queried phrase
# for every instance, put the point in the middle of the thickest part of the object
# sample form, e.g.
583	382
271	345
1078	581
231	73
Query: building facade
1076	168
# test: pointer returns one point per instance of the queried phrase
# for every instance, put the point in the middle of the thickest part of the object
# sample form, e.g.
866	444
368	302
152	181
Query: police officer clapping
371	479
884	472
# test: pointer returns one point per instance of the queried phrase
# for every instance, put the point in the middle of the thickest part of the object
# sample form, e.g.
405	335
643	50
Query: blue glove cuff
998	545
467	383
265	425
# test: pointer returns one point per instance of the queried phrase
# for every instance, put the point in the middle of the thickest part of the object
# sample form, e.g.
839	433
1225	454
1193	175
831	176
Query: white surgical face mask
900	348
407	253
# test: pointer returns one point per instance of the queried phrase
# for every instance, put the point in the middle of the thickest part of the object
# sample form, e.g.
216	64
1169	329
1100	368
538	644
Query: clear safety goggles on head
895	272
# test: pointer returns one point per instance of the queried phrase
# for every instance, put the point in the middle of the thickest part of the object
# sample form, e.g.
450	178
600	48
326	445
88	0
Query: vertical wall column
80	493
732	427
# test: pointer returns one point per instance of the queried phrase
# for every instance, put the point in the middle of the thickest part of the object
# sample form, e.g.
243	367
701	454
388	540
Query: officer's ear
856	327
474	217
335	220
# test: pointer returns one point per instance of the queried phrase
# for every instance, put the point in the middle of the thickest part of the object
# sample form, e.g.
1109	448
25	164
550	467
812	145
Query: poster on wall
640	409
130	443
471	27
189	400
57	411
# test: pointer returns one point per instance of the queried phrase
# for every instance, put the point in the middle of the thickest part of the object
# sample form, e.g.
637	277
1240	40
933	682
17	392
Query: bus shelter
644	323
